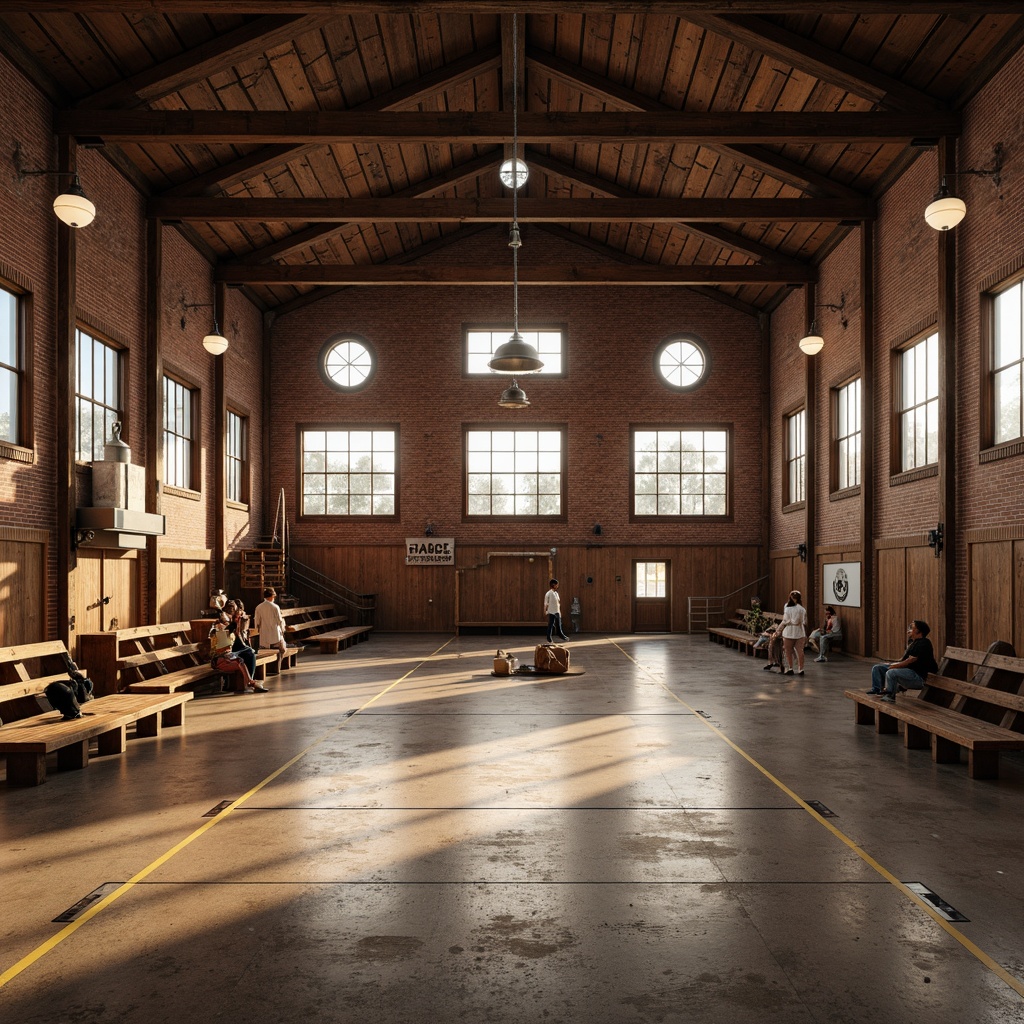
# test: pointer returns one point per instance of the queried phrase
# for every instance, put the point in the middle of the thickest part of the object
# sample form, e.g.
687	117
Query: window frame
684	337
315	517
98	337
195	423
990	449
704	517
241	502
898	473
836	459
563	513
789	502
21	448
338	339
506	329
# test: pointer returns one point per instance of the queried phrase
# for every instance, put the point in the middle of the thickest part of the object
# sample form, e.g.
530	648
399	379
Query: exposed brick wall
612	337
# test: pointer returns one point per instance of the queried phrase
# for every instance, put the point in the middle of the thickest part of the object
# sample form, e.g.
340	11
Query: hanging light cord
515	173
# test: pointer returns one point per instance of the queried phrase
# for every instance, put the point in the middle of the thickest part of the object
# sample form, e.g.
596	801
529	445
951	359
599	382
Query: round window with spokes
682	363
347	362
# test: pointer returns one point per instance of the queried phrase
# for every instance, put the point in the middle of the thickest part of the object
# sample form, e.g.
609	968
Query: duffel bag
551	658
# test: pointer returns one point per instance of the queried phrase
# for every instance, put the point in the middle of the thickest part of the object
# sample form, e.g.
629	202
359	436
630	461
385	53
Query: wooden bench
155	659
975	701
306	622
25	672
735	633
331	641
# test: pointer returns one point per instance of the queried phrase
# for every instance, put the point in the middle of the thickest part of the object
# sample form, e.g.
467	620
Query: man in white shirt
269	623
553	610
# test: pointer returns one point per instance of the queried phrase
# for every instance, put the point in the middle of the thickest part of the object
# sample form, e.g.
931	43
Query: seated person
830	632
772	638
910	672
224	659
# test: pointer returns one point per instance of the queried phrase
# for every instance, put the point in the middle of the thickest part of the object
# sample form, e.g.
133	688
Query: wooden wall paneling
925	594
1018	596
183	583
892	602
23	558
88	594
991	593
120	583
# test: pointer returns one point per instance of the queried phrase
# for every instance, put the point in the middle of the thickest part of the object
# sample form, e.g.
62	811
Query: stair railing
362	605
705	612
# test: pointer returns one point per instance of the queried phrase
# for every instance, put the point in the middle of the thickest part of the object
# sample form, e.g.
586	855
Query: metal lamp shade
945	211
516	356
812	344
513	397
73	208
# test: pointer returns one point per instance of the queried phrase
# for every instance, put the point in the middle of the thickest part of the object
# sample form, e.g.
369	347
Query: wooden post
219	444
810	462
867	430
154	406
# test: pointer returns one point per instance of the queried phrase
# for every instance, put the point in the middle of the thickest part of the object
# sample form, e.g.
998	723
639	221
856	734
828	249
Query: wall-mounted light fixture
935	539
71	206
428	530
945	211
598	530
801	551
812	342
215	343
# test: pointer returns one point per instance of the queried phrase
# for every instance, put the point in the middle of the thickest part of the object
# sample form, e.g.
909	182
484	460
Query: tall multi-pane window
98	395
848	433
179	434
514	472
236	458
796	457
10	366
350	472
1007	365
919	404
680	472
482	342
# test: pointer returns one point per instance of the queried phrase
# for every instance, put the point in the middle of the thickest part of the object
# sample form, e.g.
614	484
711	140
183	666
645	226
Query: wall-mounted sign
841	584
429	550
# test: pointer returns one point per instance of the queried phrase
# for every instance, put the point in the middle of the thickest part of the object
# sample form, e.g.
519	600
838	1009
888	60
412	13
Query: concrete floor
625	845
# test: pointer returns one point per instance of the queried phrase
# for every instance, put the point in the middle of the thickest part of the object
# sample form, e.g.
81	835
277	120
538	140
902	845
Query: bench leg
329	646
113	742
885	723
945	751
983	764
863	714
148	726
916	738
73	756
173	716
26	769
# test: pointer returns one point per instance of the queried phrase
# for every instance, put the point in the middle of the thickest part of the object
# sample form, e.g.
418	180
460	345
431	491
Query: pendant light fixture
945	211
72	205
812	342
215	343
513	397
516	355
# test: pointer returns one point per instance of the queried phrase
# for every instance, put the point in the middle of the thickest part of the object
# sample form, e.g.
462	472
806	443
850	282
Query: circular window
347	362
682	363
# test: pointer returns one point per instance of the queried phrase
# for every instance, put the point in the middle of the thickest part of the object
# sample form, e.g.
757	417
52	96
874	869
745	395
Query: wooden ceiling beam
827	65
474	127
674	8
764	160
730	239
409	94
469	211
200	62
320	232
554	274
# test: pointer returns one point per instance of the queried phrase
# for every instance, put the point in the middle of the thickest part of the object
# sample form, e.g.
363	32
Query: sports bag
551	658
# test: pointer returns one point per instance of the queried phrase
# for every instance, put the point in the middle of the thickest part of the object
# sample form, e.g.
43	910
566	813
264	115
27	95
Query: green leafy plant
756	620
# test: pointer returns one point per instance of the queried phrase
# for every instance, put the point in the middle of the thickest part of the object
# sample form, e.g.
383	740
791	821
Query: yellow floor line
980	954
66	932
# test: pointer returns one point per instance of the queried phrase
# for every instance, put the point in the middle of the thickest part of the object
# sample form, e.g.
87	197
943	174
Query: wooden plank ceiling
311	145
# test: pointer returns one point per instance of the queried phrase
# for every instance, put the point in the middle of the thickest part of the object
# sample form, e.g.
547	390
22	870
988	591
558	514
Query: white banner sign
429	550
841	584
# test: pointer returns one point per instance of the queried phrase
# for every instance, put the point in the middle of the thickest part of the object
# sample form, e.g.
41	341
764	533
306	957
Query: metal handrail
694	609
364	604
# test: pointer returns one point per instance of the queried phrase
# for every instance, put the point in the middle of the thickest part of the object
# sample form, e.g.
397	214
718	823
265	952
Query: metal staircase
705	612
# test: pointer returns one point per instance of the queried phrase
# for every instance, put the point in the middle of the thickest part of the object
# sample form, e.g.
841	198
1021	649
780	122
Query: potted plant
756	620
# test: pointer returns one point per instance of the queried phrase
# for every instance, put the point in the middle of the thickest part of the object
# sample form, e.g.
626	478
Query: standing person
553	610
830	632
793	626
269	623
910	672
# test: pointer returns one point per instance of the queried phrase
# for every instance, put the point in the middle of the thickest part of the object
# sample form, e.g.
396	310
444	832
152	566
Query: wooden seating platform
26	671
983	713
735	633
331	641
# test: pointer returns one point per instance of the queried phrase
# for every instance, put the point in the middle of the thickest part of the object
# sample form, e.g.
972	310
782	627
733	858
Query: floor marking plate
86	902
940	905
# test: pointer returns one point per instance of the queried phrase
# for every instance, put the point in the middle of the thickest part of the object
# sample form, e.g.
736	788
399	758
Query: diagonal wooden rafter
563	272
779	167
467	211
827	65
267	157
319	232
730	239
198	63
476	127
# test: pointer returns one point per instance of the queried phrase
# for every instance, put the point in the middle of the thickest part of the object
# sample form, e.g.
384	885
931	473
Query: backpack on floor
551	658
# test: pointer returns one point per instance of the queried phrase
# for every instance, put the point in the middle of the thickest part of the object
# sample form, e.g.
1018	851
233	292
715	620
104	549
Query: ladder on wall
267	565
